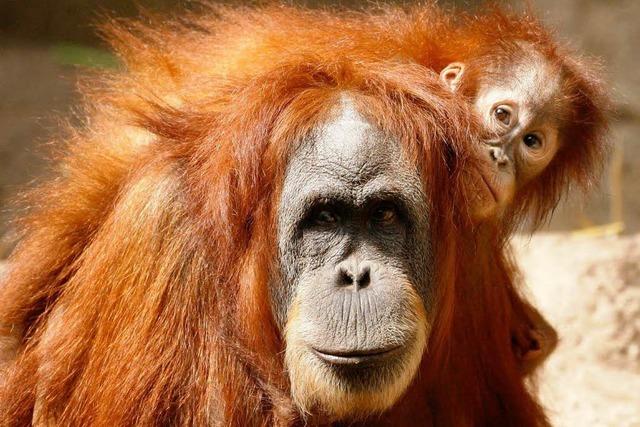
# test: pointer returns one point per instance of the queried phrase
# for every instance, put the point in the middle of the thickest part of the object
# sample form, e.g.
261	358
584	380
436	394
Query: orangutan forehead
349	158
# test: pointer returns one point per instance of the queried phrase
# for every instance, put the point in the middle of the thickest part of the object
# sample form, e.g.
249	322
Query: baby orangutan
522	105
544	120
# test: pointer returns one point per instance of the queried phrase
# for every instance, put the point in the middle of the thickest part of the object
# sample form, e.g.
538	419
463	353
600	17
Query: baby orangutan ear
452	74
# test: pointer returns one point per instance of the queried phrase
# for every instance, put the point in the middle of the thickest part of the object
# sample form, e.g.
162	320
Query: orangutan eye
385	213
532	141
325	217
503	114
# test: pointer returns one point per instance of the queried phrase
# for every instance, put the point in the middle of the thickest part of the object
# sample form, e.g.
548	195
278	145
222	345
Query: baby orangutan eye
532	141
503	113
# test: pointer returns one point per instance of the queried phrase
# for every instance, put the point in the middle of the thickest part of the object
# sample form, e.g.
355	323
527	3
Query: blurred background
582	269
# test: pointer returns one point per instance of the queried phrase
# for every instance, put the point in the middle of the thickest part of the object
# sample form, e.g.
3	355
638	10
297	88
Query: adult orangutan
263	227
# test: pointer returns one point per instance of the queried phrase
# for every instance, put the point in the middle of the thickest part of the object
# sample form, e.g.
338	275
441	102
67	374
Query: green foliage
83	56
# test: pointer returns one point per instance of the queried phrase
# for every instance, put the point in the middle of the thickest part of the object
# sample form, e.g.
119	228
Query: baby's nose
498	155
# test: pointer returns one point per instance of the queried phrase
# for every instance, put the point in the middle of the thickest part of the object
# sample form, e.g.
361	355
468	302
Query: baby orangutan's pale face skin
521	108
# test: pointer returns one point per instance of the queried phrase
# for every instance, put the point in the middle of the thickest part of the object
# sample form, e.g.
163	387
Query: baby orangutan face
520	106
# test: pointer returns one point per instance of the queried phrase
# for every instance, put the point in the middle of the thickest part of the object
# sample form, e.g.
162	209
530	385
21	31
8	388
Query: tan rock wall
589	290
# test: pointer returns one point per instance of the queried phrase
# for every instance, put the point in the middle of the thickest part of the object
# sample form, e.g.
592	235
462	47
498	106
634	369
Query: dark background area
45	45
72	20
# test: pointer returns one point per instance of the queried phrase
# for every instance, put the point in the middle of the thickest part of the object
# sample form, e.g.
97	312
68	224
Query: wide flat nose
353	273
498	156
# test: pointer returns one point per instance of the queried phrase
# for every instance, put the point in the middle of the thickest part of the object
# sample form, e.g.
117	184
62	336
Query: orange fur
153	247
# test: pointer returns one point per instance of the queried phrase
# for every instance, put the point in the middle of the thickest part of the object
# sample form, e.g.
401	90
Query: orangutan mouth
356	357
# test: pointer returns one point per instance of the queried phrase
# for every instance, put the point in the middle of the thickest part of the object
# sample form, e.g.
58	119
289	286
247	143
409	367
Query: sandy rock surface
589	289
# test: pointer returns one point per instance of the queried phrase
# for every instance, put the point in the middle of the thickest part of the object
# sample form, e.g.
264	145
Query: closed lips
355	357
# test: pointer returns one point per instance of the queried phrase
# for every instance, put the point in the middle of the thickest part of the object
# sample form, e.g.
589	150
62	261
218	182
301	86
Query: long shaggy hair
139	291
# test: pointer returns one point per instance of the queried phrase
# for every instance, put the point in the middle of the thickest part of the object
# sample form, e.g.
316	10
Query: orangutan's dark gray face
355	260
